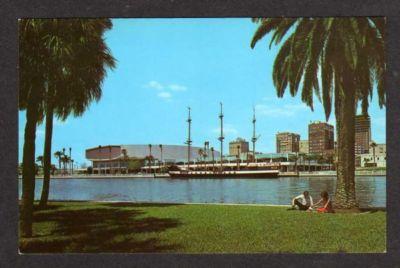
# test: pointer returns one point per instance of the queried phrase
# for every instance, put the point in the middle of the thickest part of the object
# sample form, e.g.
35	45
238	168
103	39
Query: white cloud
164	92
176	87
164	95
155	85
39	132
228	130
286	110
158	86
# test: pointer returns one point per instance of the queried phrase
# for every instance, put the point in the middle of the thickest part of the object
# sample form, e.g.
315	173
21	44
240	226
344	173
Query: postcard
202	135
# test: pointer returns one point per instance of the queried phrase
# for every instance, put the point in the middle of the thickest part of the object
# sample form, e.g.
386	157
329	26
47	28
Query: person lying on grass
326	203
303	201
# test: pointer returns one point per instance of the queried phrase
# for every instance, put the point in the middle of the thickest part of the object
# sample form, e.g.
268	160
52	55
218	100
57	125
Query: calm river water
371	191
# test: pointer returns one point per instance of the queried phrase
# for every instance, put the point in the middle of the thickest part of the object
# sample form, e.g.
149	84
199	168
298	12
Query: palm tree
238	156
31	88
200	152
150	158
294	158
65	160
349	55
309	157
72	166
77	60
58	155
212	158
373	145
330	159
366	160
70	157
161	155
40	160
125	158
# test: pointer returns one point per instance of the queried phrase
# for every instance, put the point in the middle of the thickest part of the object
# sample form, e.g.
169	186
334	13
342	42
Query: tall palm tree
70	158
58	155
238	156
349	55
150	158
77	61
212	158
125	158
200	152
65	160
32	85
161	155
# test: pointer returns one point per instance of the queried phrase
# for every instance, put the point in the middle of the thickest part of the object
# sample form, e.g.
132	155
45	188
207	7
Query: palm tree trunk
345	109
47	156
28	170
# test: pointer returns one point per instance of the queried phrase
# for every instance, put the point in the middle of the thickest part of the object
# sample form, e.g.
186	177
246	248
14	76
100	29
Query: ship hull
230	174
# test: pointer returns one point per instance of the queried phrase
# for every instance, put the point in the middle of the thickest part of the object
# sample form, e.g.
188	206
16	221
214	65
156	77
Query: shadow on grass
98	230
138	205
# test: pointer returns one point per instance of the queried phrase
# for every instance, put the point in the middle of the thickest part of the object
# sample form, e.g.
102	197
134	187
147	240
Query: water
371	191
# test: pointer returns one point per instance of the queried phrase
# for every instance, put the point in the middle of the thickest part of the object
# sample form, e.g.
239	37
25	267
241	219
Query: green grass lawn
129	227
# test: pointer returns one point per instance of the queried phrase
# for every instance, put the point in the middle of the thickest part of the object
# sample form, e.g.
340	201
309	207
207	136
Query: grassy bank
128	227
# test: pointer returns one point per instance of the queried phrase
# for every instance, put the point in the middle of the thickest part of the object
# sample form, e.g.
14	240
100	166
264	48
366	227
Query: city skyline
165	65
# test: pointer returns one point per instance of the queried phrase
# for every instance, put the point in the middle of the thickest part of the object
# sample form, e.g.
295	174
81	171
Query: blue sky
166	65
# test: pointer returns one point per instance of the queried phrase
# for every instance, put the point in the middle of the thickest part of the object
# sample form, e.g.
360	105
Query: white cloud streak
164	95
176	87
154	85
287	110
165	92
228	130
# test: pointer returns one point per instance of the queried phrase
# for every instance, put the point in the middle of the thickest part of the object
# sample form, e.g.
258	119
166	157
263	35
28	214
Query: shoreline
196	204
166	176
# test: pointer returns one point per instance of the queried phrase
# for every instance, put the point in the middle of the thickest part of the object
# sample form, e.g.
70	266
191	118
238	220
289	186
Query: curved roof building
171	153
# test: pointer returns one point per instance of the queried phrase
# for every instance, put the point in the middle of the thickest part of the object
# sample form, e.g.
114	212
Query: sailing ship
223	168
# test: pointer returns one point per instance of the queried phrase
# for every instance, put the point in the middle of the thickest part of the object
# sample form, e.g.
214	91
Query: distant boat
268	174
224	169
251	170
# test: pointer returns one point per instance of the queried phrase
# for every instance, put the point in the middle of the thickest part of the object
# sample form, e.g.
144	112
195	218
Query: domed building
112	159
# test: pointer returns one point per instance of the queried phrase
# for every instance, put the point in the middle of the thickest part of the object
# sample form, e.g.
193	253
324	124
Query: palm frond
266	26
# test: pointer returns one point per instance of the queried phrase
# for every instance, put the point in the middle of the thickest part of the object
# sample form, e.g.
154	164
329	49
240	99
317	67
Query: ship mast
254	138
221	137
188	141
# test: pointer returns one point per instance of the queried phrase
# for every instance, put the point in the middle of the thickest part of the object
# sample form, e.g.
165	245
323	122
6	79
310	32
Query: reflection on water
371	191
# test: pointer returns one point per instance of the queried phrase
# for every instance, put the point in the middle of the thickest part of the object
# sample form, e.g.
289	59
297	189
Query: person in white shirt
303	201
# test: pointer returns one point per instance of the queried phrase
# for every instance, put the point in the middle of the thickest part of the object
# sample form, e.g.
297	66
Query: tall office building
287	142
363	134
303	148
238	146
320	138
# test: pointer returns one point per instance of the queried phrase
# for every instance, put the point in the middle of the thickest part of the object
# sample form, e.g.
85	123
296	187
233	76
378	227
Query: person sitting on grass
326	203
303	201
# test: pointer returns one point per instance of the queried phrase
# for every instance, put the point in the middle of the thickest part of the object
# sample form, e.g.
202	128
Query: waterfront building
287	142
320	138
375	158
380	149
362	134
303	147
124	158
238	146
368	160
